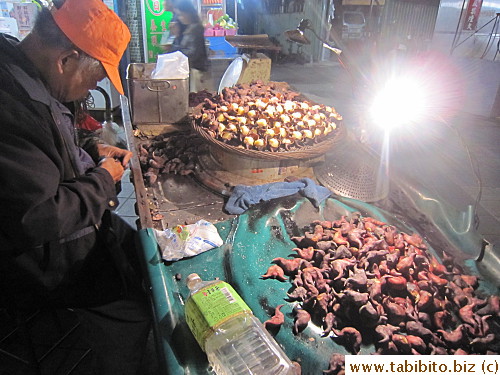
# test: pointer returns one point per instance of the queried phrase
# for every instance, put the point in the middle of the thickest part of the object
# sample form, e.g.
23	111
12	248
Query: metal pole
458	28
236	12
369	26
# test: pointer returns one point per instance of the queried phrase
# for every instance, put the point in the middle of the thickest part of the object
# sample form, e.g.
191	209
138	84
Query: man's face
80	74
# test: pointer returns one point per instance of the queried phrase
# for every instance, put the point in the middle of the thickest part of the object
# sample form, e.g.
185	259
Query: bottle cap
192	280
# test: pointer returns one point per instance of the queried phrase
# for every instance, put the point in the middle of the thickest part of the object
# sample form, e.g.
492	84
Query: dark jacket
192	44
49	208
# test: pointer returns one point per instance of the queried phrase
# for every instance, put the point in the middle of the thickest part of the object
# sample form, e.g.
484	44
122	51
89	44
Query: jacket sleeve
39	203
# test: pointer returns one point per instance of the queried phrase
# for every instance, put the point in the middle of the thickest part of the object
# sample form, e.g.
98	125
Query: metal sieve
352	171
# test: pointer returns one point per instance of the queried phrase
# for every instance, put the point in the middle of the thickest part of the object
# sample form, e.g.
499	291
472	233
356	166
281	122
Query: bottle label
212	306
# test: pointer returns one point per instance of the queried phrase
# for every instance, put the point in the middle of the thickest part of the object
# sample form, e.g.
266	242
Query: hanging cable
492	35
475	170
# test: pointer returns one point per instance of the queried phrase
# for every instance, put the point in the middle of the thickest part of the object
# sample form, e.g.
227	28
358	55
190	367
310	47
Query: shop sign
472	14
155	21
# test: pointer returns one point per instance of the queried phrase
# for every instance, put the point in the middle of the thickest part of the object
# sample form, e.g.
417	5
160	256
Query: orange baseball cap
97	31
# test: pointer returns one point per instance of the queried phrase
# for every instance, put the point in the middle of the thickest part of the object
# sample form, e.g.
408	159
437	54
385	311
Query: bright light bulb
400	102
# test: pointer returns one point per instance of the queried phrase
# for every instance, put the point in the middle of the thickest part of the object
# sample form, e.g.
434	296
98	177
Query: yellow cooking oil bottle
235	341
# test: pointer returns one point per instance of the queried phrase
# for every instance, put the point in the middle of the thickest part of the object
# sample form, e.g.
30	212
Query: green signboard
155	21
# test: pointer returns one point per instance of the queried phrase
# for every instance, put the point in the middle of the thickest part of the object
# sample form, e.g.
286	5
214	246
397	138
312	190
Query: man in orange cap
59	243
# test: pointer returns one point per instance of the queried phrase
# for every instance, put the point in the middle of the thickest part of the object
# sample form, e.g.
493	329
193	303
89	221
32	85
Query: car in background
353	26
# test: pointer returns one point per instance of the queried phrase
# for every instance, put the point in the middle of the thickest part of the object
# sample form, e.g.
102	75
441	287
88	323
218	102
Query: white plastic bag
165	38
185	241
172	65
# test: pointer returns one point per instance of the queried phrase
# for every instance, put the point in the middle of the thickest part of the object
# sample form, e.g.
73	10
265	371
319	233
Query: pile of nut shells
266	117
365	282
175	153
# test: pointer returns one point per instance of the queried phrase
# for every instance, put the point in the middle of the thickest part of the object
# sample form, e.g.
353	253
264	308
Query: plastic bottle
234	340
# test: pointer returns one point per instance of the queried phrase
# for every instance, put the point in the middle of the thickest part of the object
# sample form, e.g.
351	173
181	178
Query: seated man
59	243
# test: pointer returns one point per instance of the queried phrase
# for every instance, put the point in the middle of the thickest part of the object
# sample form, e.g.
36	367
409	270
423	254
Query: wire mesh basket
351	171
308	151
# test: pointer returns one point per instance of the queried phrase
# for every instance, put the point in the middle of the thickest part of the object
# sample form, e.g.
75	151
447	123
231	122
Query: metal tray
252	240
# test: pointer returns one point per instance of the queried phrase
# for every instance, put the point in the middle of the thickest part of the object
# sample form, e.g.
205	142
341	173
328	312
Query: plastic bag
165	38
172	65
185	241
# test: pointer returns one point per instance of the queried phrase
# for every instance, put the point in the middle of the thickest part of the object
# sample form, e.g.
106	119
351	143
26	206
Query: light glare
400	102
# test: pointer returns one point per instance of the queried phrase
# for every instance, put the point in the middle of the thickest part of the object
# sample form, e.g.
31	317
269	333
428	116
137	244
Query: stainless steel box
156	101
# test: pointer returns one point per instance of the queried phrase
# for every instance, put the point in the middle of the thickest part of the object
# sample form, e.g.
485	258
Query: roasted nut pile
196	98
363	281
266	117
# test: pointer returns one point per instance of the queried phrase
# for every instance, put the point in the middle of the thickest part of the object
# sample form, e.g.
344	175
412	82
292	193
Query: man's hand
120	154
114	167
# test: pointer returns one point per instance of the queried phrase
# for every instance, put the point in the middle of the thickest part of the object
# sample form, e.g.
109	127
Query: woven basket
306	152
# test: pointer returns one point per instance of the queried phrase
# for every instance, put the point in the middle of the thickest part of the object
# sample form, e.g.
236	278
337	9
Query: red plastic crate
218	32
